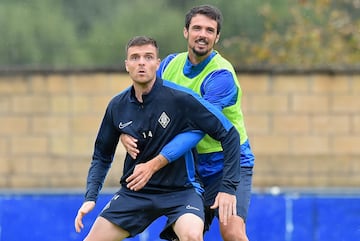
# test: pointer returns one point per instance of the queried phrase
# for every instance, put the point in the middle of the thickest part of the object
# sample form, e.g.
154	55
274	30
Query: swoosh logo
191	207
123	125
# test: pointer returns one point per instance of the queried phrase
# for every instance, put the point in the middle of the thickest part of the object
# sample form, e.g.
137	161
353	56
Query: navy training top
167	110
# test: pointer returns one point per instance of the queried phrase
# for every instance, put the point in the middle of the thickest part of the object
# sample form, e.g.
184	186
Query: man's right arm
104	150
177	147
181	143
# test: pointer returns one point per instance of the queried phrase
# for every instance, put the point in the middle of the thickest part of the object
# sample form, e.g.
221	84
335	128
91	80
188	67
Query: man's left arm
219	89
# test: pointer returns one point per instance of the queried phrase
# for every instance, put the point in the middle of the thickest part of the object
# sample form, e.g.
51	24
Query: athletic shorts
243	194
135	211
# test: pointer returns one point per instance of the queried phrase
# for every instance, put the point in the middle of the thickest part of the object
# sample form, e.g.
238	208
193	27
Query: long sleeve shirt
167	110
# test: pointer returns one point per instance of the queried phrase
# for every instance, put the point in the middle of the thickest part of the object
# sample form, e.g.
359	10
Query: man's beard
200	53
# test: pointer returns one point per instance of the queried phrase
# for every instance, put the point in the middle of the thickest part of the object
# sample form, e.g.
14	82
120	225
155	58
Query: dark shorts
243	195
135	211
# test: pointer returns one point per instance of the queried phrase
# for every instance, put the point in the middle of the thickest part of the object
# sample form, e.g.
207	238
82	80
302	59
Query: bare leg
189	227
234	230
104	230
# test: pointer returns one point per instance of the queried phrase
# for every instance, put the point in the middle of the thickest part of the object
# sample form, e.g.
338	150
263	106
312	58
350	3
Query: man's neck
196	59
143	89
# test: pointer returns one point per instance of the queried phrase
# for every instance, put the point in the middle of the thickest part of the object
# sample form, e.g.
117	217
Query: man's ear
217	38
126	68
186	33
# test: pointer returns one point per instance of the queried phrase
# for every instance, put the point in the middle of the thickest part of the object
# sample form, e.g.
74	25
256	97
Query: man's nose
203	33
142	60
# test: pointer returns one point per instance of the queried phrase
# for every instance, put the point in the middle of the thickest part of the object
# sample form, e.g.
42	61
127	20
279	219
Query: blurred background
74	33
298	63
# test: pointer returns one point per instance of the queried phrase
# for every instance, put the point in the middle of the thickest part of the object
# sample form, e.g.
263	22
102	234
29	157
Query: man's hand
227	206
144	171
130	145
83	210
141	175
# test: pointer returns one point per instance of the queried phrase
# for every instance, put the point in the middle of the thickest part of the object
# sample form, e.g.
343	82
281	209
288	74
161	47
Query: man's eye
149	57
134	58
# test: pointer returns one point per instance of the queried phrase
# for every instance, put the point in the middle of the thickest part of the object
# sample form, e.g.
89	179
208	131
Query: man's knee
234	235
192	235
189	227
234	231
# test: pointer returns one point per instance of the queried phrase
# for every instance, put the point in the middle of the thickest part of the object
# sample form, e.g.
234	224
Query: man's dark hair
140	41
207	10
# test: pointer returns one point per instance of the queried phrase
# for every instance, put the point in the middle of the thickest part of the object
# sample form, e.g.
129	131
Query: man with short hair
154	111
205	71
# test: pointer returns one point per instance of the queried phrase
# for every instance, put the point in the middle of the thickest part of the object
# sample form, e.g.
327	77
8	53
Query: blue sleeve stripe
190	167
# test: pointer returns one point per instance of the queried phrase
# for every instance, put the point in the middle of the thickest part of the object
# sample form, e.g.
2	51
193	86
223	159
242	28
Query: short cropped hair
207	10
140	41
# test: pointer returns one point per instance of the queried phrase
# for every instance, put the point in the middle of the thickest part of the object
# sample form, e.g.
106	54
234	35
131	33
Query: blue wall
290	216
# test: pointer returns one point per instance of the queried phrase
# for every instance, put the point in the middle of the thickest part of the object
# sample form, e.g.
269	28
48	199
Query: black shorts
243	195
135	211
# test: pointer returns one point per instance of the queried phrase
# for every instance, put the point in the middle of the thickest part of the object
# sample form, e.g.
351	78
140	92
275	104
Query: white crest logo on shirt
164	120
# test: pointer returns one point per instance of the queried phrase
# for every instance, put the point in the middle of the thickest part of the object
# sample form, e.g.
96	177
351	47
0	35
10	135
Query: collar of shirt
190	70
149	96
